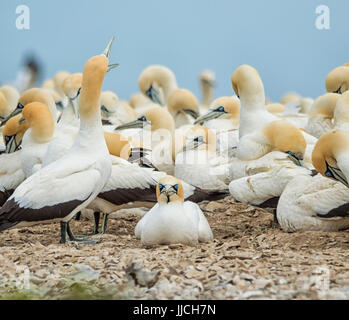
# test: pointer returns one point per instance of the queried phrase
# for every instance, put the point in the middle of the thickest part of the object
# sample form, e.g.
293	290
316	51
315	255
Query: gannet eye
328	174
78	92
175	187
221	109
199	139
143	119
161	186
149	91
7	139
339	91
20	106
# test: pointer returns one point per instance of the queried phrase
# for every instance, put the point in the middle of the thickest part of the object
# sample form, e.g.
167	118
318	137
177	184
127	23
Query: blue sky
279	38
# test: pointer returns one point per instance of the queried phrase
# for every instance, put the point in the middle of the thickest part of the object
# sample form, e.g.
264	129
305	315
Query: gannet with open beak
321	114
337	81
183	106
319	203
172	220
198	163
11	173
157	82
60	190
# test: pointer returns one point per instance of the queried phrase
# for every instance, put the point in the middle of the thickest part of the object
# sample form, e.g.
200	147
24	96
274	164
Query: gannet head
11	95
118	145
337	81
40	121
13	133
247	84
58	80
33	95
222	108
169	189
325	155
200	138
207	79
183	101
4	107
138	100
72	87
109	102
285	137
290	97
275	108
156	82
157	117
324	105
341	111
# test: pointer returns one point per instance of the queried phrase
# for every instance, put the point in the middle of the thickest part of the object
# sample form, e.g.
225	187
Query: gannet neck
341	112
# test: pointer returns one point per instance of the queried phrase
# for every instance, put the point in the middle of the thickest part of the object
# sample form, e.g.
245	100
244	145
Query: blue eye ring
221	109
161	186
143	119
20	106
176	187
7	139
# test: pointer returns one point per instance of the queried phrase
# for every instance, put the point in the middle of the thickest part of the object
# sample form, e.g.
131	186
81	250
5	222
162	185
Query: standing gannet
319	203
114	111
157	82
198	163
172	220
60	190
321	114
207	84
337	81
265	178
183	106
37	137
11	173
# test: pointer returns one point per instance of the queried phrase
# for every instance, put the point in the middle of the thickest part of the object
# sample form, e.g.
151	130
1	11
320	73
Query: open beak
137	124
18	110
107	50
11	145
154	95
214	114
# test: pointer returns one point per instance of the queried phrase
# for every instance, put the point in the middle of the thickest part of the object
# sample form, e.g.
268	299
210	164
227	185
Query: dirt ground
249	259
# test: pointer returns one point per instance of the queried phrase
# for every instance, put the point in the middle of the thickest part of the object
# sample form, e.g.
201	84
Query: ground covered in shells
249	259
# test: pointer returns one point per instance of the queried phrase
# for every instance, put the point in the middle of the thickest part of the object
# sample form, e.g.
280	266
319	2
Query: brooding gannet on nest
172	220
337	81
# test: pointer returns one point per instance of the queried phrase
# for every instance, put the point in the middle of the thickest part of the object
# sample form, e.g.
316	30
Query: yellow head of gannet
118	145
275	107
138	100
337	81
324	105
71	87
247	84
156	82
290	97
200	138
328	155
4	107
183	101
341	111
40	121
13	133
222	108
169	189
207	83
109	102
11	96
285	137
58	80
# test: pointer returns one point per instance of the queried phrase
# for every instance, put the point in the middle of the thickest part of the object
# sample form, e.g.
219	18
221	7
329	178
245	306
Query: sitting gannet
64	187
172	220
198	163
321	114
183	106
319	203
337	81
341	113
11	173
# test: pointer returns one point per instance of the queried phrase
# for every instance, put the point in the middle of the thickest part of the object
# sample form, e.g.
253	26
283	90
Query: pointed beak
214	114
297	159
107	50
75	105
18	110
154	95
192	113
112	66
132	125
11	145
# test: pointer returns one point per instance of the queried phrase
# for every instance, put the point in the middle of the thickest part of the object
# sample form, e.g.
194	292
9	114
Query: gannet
275	108
319	203
337	81
60	190
11	173
321	114
207	85
183	106
172	220
198	163
341	113
138	100
157	82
